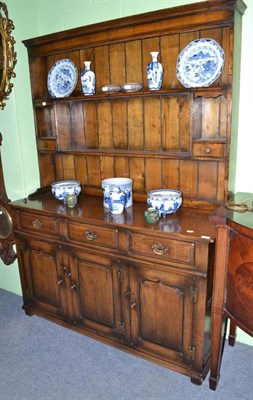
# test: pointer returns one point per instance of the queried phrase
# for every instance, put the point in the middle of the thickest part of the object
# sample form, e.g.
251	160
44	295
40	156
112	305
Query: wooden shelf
210	92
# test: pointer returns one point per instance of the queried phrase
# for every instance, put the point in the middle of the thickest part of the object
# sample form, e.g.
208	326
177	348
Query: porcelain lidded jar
117	200
154	72
88	79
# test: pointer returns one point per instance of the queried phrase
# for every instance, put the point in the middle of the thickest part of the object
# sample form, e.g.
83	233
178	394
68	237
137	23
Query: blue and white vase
88	79
154	72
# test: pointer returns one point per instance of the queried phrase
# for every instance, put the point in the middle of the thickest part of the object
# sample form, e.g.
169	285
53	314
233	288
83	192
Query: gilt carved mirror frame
8	57
7	64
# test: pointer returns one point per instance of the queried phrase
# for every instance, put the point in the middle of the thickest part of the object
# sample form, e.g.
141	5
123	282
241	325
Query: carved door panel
42	276
161	313
97	294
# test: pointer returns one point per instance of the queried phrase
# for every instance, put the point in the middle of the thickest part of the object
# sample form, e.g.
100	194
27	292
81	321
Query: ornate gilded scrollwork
7	63
7	253
8	57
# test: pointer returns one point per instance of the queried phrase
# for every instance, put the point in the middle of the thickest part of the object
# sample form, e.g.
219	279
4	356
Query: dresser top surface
187	223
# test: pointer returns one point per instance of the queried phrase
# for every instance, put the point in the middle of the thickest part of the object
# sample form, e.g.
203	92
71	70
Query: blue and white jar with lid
88	79
154	72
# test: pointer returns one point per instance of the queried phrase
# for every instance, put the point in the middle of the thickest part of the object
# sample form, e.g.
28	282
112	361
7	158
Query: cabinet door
97	298
42	276
161	313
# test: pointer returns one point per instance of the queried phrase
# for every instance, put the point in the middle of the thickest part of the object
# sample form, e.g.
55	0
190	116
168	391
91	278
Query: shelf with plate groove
210	92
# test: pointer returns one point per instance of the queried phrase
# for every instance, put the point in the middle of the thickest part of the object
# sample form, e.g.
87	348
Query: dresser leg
197	381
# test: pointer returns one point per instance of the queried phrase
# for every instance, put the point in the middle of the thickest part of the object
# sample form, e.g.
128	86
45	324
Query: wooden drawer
38	223
208	149
162	248
93	234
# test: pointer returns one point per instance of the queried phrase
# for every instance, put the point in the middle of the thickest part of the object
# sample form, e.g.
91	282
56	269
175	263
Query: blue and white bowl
60	189
166	201
125	185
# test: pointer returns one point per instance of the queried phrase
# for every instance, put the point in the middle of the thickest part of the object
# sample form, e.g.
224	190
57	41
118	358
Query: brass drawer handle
159	249
207	150
37	224
90	235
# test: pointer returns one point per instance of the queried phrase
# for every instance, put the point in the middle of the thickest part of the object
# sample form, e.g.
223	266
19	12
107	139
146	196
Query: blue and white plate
200	63
62	78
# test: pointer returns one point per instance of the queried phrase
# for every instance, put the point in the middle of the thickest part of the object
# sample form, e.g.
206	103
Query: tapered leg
232	333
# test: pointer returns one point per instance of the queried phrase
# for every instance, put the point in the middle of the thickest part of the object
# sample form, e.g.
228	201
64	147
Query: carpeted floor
43	361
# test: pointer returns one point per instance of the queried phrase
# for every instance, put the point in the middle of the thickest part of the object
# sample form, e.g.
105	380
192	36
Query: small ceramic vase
71	200
154	72
88	79
151	215
117	201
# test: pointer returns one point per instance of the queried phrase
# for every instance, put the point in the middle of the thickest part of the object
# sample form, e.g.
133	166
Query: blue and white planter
117	201
88	79
154	72
125	185
166	201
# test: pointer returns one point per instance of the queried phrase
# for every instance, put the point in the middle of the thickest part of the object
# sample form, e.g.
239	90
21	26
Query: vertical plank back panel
47	169
210	118
94	171
43	118
170	174
38	73
104	116
169	52
189	178
106	167
63	125
90	121
152	123
119	119
136	173
101	55
207	180
77	127
122	167
153	174
135	124
68	166
134	72
170	124
117	63
81	169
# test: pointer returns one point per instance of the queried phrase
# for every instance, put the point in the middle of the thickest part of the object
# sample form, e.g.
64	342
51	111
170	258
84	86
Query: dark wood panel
102	74
119	117
134	72
169	52
135	124
117	63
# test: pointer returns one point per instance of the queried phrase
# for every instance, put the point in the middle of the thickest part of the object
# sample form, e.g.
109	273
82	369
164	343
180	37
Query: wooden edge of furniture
217	320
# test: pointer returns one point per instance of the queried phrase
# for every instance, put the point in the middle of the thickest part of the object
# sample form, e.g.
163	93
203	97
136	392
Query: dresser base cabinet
138	288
